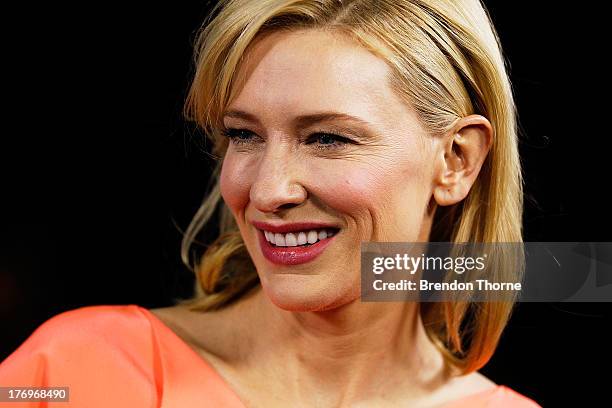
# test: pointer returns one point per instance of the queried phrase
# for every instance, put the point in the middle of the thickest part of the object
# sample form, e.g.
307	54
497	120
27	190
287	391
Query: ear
460	157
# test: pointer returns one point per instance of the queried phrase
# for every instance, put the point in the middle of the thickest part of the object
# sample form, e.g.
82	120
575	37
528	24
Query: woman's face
374	183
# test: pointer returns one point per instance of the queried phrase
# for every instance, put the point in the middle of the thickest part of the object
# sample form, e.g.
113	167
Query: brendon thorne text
425	285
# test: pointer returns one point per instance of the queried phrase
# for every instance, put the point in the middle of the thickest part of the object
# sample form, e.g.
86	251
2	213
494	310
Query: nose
277	183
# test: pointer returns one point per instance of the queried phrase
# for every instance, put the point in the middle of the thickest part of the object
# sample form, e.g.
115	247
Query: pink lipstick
293	255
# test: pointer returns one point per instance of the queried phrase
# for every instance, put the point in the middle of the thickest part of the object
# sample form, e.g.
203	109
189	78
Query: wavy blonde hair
447	63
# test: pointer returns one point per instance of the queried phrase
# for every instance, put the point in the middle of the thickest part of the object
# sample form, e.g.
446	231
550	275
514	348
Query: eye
238	136
323	140
327	141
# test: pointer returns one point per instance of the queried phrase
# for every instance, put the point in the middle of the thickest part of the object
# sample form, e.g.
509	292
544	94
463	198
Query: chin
306	293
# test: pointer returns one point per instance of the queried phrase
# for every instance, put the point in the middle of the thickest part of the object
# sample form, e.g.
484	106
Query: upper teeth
298	237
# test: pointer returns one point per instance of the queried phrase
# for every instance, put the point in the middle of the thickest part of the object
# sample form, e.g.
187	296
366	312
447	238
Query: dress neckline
212	379
223	382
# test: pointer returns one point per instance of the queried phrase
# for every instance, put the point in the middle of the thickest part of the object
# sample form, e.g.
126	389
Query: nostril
287	206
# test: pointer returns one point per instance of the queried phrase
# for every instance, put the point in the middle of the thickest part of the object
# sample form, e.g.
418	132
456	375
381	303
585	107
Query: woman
336	122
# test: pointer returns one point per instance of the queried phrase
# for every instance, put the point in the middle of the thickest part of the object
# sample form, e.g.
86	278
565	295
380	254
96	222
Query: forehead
310	71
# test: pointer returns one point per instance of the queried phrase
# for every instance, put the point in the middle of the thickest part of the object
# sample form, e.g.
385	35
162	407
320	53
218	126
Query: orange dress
125	357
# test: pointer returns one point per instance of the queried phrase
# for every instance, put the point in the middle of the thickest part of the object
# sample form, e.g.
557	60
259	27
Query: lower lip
293	255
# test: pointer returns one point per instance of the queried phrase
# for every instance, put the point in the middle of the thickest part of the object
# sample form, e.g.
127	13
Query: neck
347	352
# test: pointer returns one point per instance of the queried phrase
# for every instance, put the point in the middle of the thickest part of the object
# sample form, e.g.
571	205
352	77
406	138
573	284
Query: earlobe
463	152
451	190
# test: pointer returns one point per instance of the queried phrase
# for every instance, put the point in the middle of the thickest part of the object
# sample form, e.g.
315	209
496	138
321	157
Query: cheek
384	201
234	184
357	188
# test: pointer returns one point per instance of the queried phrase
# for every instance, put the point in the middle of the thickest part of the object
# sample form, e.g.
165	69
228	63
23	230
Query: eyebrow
302	120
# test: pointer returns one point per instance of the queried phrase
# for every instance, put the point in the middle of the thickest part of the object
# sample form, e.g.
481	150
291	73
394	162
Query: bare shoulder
209	333
184	322
180	316
170	315
461	387
479	382
472	383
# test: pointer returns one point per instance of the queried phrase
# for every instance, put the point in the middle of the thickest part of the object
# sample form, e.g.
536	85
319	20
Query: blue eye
329	140
323	140
238	136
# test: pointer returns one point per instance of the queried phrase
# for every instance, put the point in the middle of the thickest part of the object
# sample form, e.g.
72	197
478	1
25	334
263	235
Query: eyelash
234	136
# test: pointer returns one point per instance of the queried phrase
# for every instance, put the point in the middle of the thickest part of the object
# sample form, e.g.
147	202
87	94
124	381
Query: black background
99	172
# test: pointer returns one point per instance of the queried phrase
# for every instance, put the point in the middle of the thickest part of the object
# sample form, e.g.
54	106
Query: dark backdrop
101	173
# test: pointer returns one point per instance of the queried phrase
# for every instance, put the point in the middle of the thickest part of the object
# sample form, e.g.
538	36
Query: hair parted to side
446	62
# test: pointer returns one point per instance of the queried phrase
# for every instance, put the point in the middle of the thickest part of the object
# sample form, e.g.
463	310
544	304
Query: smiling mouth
299	239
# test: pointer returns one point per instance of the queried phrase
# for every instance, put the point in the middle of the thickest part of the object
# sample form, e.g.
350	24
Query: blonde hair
446	63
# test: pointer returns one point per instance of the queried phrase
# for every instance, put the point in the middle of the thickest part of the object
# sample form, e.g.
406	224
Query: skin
305	338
